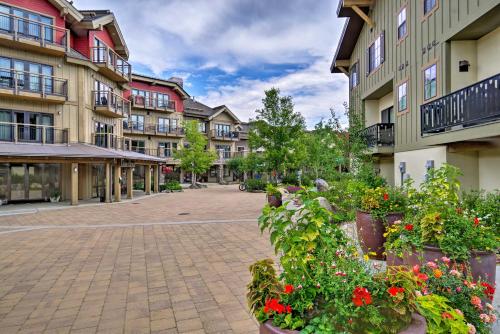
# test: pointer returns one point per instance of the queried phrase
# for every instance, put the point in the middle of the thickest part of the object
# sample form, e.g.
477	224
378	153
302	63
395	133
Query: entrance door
18	183
387	115
4	182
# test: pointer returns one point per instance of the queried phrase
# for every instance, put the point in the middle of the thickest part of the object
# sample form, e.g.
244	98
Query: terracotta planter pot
371	232
274	201
418	325
482	264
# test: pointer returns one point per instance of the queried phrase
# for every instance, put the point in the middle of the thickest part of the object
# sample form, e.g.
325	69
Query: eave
155	81
67	10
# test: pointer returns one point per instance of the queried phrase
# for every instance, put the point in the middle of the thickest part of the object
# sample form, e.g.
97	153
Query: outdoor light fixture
463	66
75	169
428	166
402	170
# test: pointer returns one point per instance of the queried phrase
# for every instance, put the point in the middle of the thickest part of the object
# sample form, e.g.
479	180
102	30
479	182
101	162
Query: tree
278	130
193	156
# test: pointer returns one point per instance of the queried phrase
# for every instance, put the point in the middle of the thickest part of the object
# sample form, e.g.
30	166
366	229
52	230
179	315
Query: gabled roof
197	109
220	109
98	19
67	9
161	82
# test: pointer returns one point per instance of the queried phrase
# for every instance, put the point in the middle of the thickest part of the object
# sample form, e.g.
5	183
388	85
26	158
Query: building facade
63	81
425	75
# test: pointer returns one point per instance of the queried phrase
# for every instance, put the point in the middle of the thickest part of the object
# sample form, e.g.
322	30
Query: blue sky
230	51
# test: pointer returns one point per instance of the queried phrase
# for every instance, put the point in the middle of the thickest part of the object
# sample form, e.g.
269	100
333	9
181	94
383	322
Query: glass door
35	182
4	182
5	21
19	67
17	183
34	78
6	130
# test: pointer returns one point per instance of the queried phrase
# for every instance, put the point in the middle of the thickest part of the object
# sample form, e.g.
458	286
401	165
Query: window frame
405	22
356	72
430	11
407	108
381	38
424	69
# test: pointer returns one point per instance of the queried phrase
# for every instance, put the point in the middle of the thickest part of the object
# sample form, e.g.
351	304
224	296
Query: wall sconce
463	66
402	170
75	170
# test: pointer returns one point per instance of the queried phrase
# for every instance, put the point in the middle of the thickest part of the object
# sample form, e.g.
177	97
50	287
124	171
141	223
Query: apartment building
155	122
225	133
425	75
64	75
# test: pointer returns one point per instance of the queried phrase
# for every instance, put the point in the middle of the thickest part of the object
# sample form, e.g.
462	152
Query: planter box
482	264
418	326
274	201
371	232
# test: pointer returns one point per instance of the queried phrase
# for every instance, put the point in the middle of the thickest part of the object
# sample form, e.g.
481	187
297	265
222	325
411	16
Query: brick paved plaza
151	265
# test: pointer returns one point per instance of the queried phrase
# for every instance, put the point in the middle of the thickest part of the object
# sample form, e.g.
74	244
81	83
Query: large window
225	150
168	149
402	24
402	97
26	23
375	54
30	76
202	127
138	146
162	100
29	126
354	75
102	93
151	99
137	122
429	5
163	125
387	115
430	82
222	130
101	134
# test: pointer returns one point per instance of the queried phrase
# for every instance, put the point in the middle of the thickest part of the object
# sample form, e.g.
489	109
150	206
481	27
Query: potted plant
274	196
380	207
55	196
324	286
440	226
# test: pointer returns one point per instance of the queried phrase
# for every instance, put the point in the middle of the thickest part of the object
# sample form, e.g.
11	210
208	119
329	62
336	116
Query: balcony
34	134
152	129
21	33
112	141
111	64
149	103
471	106
155	152
224	156
224	135
110	104
32	86
380	138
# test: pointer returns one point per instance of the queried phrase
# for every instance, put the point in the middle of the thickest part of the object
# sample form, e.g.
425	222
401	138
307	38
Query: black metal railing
225	135
139	101
109	140
106	55
476	104
380	134
30	133
112	102
33	83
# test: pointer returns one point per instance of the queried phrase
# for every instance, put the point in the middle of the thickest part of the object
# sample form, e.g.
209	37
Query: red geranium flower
489	291
288	309
361	296
289	289
386	197
409	227
274	305
394	290
422	277
476	221
446	315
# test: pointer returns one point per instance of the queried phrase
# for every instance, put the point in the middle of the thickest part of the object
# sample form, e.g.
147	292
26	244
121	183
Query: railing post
42	93
44	134
42	35
16	87
67	39
14	21
108	140
16	133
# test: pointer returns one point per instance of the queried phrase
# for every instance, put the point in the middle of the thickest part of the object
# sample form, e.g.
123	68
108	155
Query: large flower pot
371	232
482	264
274	201
418	325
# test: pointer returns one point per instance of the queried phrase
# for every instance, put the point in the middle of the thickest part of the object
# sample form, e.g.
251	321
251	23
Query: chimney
177	80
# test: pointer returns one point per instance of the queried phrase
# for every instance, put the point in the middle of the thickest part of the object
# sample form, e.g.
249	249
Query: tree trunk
193	180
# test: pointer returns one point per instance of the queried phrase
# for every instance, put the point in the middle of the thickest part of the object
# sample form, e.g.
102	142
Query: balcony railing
103	55
223	155
109	140
380	134
224	135
151	128
476	104
31	133
22	81
110	104
45	34
139	101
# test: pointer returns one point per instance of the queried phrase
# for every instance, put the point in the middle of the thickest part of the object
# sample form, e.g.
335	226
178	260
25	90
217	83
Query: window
101	93
387	115
163	125
27	23
137	122
202	127
354	75
168	149
225	150
402	97
99	51
173	124
138	146
28	76
402	23
27	129
375	54
429	5
101	131
162	100
222	130
430	82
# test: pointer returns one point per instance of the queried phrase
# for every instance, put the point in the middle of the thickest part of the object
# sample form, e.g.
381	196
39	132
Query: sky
230	51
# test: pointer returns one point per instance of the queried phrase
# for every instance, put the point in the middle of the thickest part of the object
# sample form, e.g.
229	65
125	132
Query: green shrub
173	185
255	185
139	186
291	179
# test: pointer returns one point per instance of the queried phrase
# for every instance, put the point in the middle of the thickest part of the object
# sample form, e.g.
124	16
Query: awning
74	150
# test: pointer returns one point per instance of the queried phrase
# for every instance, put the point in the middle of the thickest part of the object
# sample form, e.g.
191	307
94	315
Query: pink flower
490	307
299	286
445	259
459	289
493	318
431	264
472	329
318	286
484	317
459	312
456	273
416	269
476	301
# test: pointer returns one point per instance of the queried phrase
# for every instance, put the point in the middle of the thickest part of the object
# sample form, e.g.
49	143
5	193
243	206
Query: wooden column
130	183
147	183
74	183
117	184
107	183
156	179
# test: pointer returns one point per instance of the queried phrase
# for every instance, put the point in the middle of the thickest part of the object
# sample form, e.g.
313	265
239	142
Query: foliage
437	218
139	186
334	291
290	178
446	278
382	200
278	130
237	165
264	285
485	206
272	190
193	157
441	318
255	185
173	185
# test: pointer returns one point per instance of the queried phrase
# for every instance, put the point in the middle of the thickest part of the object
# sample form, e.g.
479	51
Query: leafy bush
291	179
173	185
255	185
306	180
441	318
264	285
383	200
485	206
139	186
272	190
